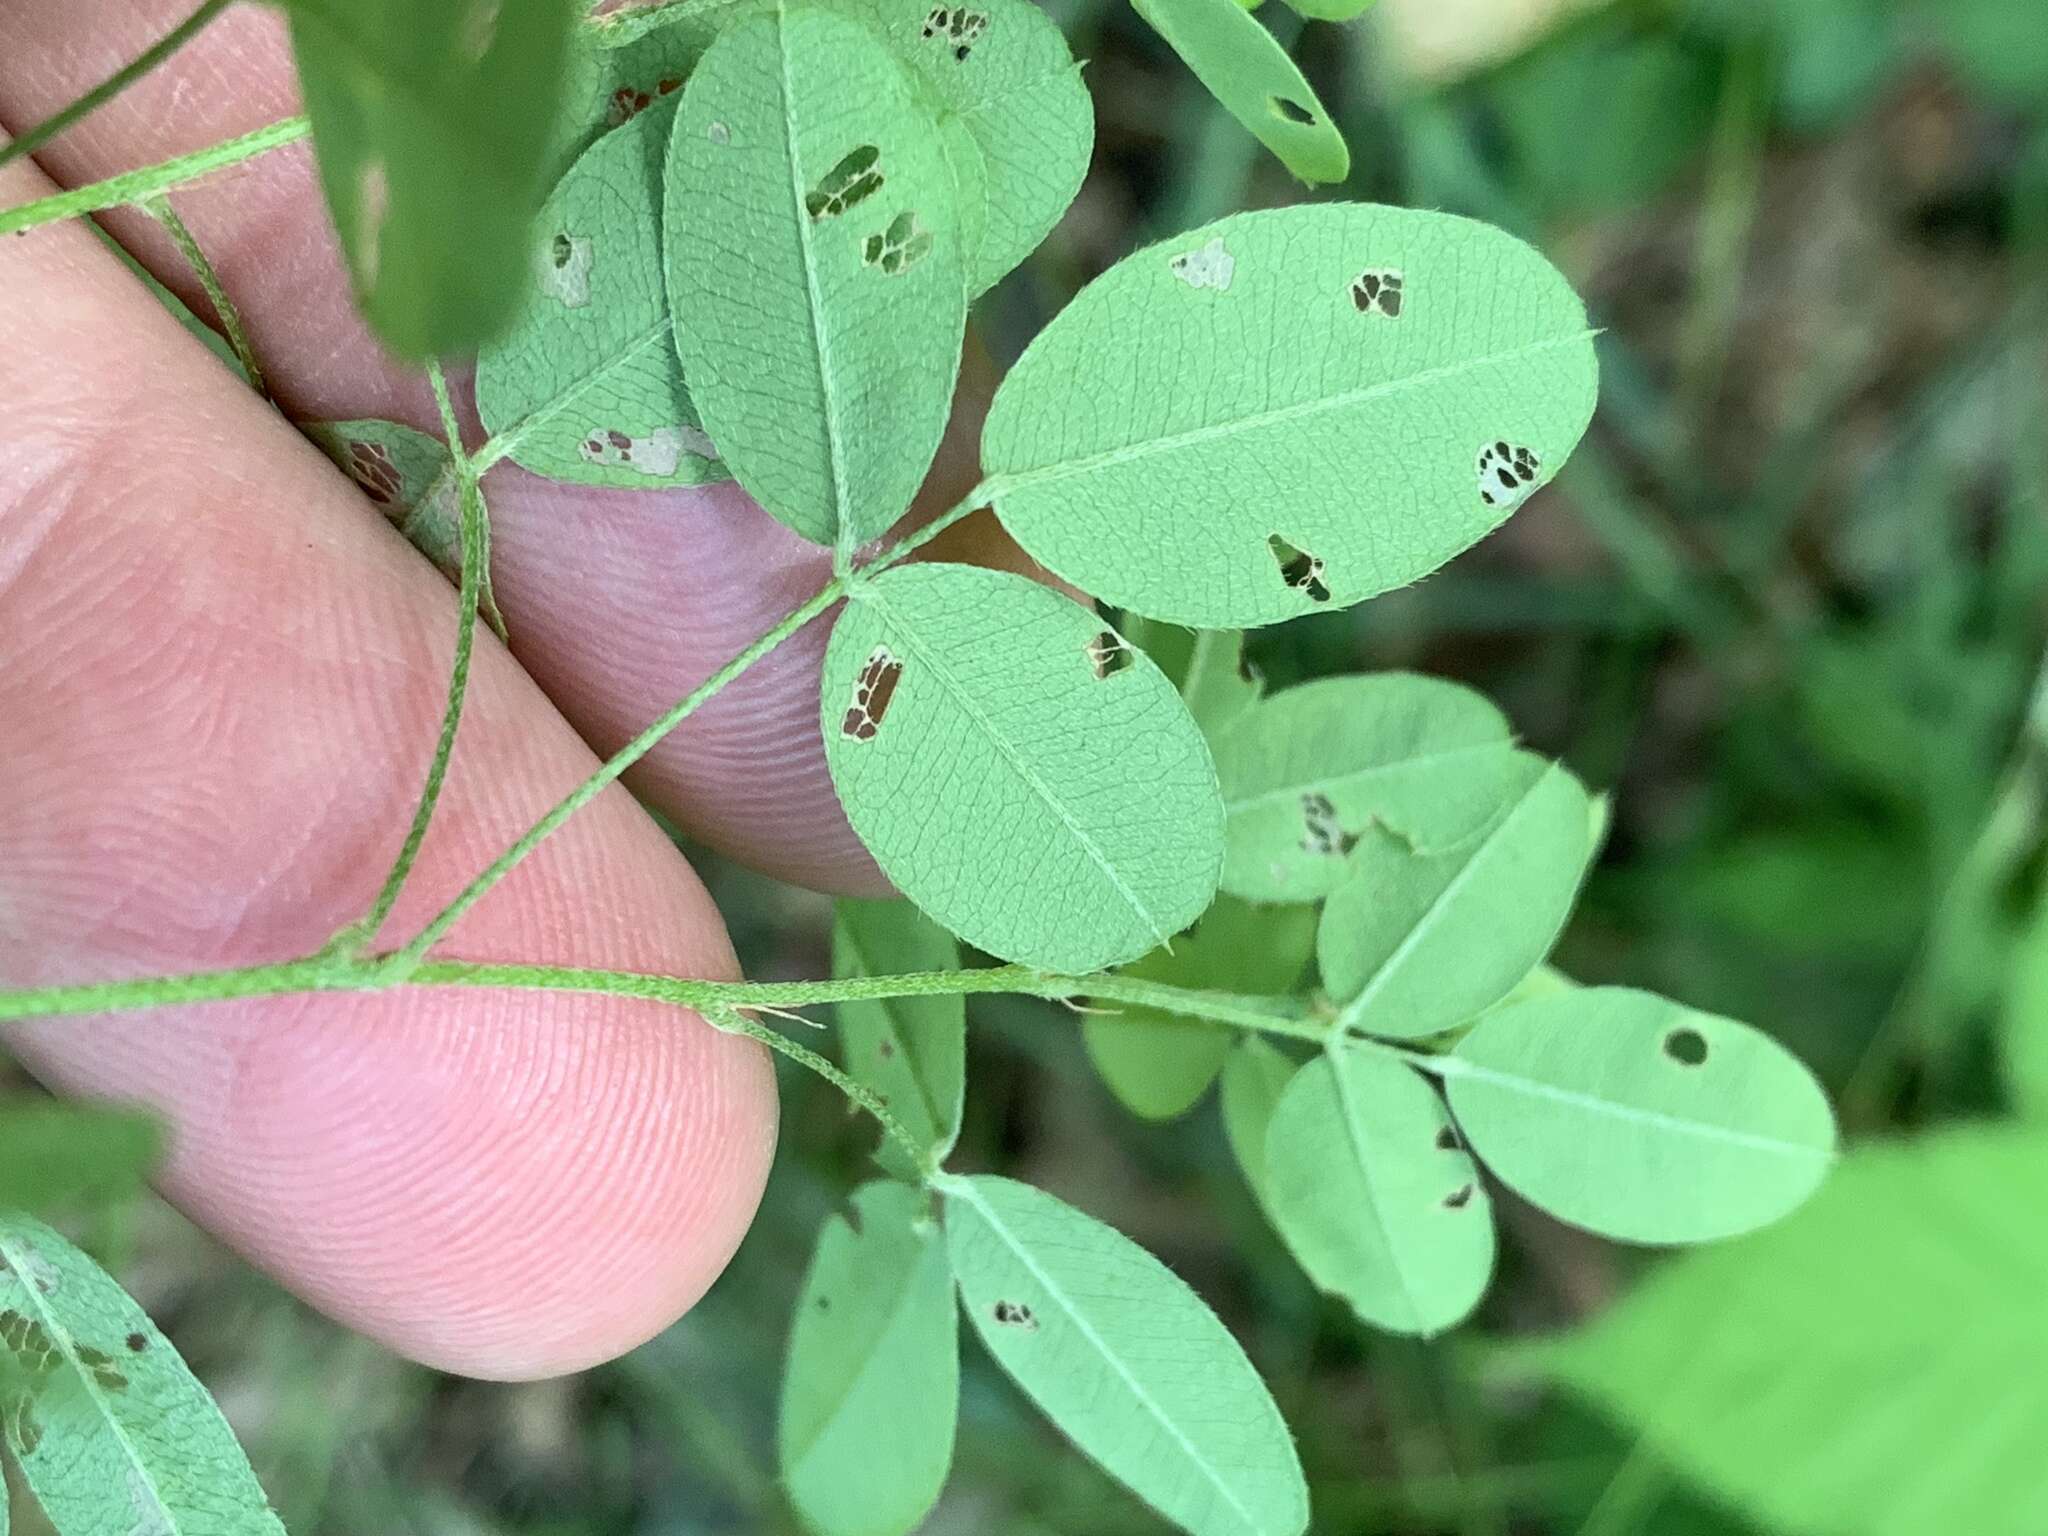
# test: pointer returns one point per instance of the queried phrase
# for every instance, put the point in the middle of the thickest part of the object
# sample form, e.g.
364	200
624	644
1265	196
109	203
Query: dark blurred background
1786	604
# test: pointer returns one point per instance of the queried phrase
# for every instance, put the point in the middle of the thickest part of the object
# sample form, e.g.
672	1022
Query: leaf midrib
1354	1132
1294	789
912	1059
892	1317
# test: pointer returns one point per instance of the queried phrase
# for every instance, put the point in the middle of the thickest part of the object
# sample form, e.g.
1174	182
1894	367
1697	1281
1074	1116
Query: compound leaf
911	1050
1023	775
1159	1064
586	386
433	124
53	1153
872	1391
1638	1118
1252	76
1289	411
814	271
1125	1359
1015	118
1255	1074
1375	1195
1877	1365
1308	770
112	1433
1414	942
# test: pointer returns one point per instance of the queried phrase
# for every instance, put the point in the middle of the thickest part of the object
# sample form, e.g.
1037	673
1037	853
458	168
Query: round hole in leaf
1687	1047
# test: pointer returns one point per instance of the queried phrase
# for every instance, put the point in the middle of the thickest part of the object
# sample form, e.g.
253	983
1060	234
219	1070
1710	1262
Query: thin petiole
860	1093
152	180
160	209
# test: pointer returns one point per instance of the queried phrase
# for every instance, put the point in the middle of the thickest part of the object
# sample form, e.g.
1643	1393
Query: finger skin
220	679
617	602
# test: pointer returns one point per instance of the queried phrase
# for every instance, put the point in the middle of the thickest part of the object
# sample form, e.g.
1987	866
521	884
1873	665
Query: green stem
920	1154
475	522
160	209
115	83
151	181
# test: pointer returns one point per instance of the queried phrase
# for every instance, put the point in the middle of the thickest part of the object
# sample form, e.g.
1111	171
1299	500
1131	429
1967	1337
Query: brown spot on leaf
872	691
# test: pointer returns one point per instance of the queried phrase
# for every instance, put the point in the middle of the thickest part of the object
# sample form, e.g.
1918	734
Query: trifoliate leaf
1289	411
1375	1195
1159	1064
410	479
910	1050
433	120
1023	775
1307	771
1255	1074
1877	1365
586	387
1255	80
53	1153
1125	1359
110	1430
872	1389
1638	1118
1412	943
1016	120
814	271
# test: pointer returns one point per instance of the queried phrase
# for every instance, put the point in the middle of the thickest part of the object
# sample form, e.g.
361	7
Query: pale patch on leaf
1210	266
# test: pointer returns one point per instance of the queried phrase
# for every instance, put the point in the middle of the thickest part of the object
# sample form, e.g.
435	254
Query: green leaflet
1219	686
1255	1075
1413	943
910	1050
1255	80
1877	1365
1305	772
1308	406
814	271
626	62
1158	1064
1638	1118
586	387
1029	780
1331	10
1016	120
1375	1195
110	1430
872	1388
1125	1359
421	110
52	1153
406	474
2025	1035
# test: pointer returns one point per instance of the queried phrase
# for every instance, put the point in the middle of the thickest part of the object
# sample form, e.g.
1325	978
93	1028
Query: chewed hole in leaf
1289	110
655	455
1507	473
370	466
1299	569
718	133
957	27
1210	267
856	178
1321	834
1378	291
872	691
563	269
1108	654
1447	1140
900	247
1687	1047
1014	1314
1458	1198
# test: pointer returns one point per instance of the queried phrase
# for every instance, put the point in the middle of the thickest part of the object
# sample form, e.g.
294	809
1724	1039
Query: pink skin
220	675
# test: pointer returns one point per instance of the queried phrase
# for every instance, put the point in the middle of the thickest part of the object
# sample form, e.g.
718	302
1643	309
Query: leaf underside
910	1050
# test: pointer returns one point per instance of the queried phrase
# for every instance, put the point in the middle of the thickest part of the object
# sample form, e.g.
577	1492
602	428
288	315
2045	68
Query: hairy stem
115	83
150	181
920	1155
160	209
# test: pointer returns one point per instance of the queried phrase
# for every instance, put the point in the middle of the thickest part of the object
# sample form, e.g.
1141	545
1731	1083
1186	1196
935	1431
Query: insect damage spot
718	133
1321	834
1687	1047
656	455
898	248
1014	1314
1458	1198
1447	1140
1108	654
886	1048
1289	110
956	27
137	1343
872	691
1378	291
629	101
1211	267
375	475
1507	473
852	181
1299	569
562	268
